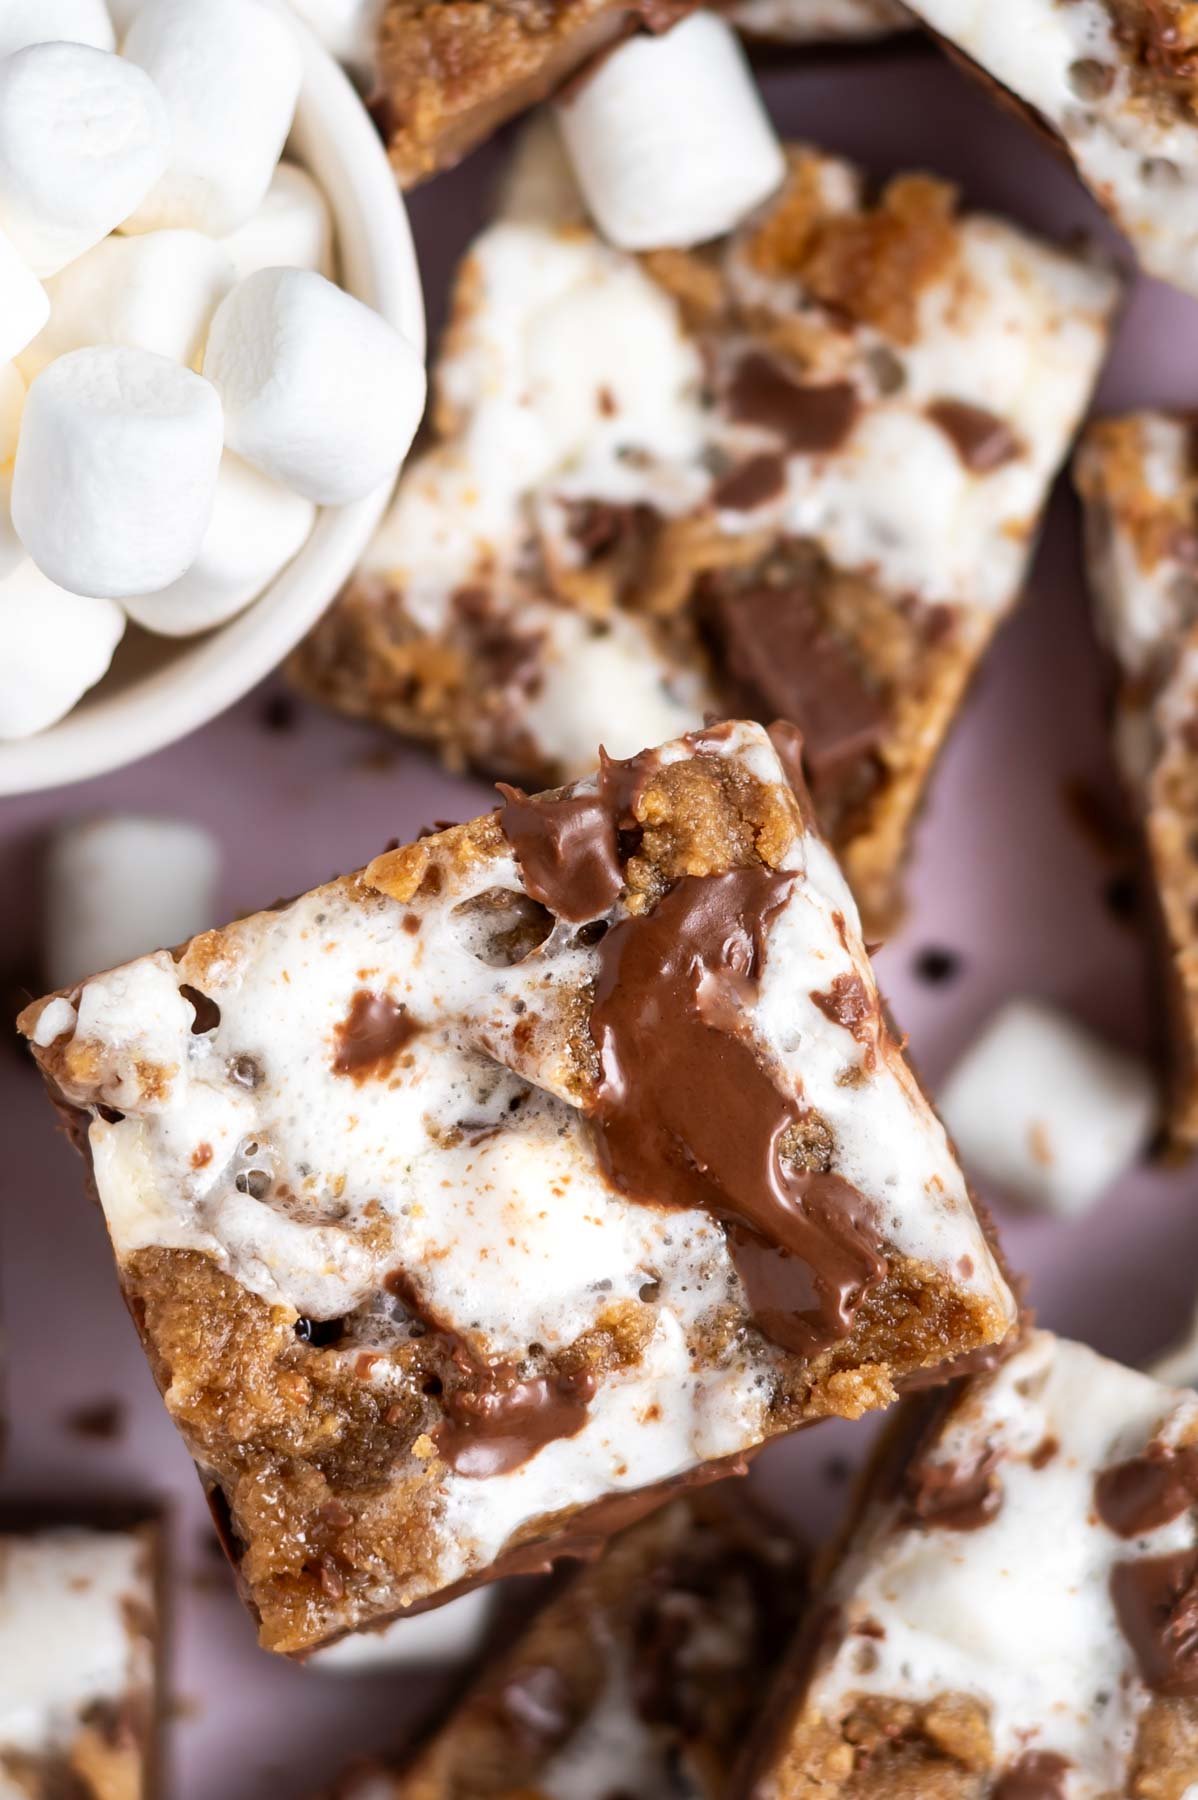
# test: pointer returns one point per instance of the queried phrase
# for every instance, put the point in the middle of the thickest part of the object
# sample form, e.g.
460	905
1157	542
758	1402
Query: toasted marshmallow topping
1132	136
76	1608
359	1086
993	1571
571	377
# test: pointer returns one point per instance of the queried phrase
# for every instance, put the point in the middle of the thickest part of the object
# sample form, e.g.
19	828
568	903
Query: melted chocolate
1156	1603
495	1428
847	1003
372	1035
707	1131
567	850
813	420
1137	1496
751	484
1038	1775
982	440
954	1496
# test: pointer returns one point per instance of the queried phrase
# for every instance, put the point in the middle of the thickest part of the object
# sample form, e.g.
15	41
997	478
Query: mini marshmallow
116	470
118	886
669	138
348	29
1043	1109
292	229
24	22
448	1633
12	405
257	527
230	73
319	392
53	647
156	292
83	138
24	302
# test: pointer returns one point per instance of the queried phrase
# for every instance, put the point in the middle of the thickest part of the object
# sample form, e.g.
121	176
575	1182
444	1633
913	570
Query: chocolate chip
207	1012
320	1333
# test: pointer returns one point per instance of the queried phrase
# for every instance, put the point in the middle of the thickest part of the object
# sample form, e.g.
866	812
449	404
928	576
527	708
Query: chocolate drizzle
708	1130
813	420
1137	1496
499	1425
982	440
372	1035
1156	1603
1038	1775
954	1496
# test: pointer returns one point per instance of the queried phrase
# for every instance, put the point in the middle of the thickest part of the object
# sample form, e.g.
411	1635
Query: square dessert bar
1013	1613
450	72
1138	477
468	1203
638	1677
79	1660
1116	84
797	474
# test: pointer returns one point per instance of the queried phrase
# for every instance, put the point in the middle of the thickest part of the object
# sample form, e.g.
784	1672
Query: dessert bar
1012	1614
470	1203
638	1677
796	474
79	1656
1138	477
1115	82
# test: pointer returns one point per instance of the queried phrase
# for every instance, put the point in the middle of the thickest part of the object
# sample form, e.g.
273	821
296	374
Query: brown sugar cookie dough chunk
1011	1616
797	474
639	1676
1138	477
470	1202
79	1659
1116	81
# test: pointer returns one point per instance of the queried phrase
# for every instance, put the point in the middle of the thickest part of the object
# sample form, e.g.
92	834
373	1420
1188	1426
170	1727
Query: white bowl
159	689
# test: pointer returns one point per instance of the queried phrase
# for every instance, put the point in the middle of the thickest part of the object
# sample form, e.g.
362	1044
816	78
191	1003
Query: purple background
1003	877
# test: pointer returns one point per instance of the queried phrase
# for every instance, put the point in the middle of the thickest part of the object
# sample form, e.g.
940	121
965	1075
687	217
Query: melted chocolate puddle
1138	1496
497	1427
372	1035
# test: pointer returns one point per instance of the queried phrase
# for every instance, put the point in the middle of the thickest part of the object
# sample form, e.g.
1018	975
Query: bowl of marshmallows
211	363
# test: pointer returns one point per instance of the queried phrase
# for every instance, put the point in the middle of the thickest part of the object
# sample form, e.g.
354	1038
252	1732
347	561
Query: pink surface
1003	878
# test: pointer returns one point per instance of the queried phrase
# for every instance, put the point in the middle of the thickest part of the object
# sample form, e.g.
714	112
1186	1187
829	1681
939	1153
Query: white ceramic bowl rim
128	716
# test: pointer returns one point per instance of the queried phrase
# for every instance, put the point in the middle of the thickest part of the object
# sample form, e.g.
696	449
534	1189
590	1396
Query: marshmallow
156	292
669	138
12	404
292	229
257	527
1044	1110
348	29
1179	1366
116	470
83	138
53	647
24	302
448	1633
24	22
319	391
230	72
119	886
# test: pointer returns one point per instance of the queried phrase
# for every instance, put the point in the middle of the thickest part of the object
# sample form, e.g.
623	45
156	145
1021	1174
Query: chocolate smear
750	484
954	1496
812	419
707	1130
372	1035
499	1425
1156	1603
982	440
1038	1775
1144	1493
847	1003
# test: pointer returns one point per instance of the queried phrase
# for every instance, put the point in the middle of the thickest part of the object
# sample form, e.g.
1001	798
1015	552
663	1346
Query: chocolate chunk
207	1012
982	440
496	1427
1156	1603
1137	1496
813	420
954	1496
1038	1775
567	850
707	1130
605	528
373	1034
751	483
